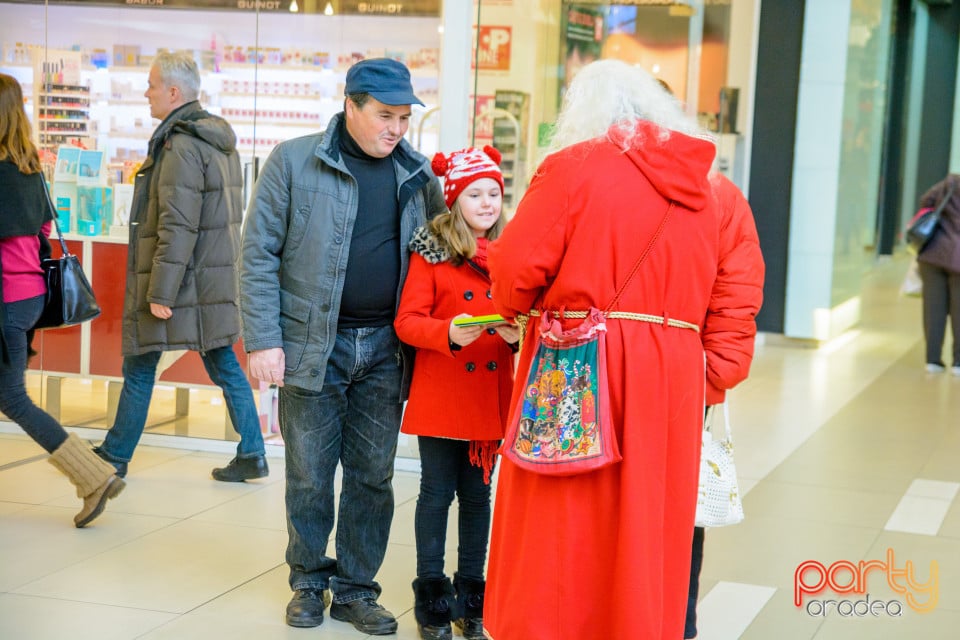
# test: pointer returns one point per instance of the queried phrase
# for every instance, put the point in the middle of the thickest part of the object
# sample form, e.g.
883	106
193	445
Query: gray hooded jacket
185	237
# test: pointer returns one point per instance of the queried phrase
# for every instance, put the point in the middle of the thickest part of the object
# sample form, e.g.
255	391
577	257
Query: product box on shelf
64	195
94	210
122	204
126	55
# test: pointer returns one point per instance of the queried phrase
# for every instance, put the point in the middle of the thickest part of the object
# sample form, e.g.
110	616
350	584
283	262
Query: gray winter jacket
296	241
185	237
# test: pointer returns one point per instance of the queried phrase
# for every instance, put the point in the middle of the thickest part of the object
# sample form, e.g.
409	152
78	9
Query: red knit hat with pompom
462	167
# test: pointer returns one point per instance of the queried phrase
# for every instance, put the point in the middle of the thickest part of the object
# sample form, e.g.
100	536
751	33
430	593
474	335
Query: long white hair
611	92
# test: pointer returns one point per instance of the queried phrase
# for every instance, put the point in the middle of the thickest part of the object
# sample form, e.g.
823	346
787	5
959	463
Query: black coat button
492	366
491	331
468	295
470	366
489	295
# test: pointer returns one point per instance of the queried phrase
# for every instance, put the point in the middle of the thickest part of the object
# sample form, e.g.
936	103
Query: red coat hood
659	162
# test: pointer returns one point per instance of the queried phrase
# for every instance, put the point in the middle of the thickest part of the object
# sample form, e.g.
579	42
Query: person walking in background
626	169
182	290
460	394
939	263
730	327
25	215
324	258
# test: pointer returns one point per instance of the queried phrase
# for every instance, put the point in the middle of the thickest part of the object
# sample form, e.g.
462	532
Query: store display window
274	69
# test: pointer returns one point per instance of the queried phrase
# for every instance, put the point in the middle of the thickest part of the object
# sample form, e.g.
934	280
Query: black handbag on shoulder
70	298
925	223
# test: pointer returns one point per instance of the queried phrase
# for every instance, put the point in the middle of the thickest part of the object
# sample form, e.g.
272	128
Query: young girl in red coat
460	394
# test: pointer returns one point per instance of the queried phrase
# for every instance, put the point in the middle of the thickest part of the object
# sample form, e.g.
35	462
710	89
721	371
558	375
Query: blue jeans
18	318
139	375
445	470
354	420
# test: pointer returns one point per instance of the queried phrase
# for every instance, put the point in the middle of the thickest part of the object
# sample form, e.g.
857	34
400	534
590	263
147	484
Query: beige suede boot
96	480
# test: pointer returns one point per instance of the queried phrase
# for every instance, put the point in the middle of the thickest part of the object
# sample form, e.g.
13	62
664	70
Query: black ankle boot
433	600
469	614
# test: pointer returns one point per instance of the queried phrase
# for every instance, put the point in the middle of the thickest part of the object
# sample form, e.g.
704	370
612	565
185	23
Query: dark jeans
696	561
354	420
941	297
139	375
445	469
19	317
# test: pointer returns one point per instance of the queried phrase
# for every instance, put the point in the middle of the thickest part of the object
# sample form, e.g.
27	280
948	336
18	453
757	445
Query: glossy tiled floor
847	452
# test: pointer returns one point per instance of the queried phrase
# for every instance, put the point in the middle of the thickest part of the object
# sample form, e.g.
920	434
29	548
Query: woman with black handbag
25	216
939	263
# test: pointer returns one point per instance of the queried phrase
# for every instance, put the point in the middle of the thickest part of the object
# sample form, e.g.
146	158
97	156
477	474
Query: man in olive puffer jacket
182	288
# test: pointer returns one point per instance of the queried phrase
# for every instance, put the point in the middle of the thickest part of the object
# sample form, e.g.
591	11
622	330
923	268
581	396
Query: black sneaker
121	467
306	607
366	615
240	469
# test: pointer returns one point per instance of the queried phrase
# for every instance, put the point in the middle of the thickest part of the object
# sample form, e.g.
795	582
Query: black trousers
445	471
696	560
941	298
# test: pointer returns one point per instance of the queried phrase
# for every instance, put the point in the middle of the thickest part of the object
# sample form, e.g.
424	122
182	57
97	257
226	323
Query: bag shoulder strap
643	256
943	203
56	224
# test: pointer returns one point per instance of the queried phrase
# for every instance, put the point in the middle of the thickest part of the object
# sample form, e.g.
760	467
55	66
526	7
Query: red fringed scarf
480	257
483	453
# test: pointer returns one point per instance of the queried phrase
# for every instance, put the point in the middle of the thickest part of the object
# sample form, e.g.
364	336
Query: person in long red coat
606	554
460	393
730	327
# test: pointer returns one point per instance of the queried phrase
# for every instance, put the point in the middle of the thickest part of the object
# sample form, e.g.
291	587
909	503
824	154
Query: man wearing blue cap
324	258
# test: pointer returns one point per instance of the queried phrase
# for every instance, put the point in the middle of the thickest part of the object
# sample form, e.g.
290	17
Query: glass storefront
275	70
864	106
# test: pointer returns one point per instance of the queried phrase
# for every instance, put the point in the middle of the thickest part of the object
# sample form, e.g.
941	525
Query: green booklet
494	318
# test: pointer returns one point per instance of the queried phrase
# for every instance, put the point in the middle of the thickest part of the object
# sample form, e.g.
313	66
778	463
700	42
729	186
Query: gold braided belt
625	315
616	315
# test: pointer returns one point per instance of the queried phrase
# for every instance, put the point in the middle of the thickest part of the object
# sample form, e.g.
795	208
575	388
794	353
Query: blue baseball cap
383	78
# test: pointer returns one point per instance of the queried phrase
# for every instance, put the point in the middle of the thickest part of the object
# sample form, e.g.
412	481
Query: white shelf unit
61	114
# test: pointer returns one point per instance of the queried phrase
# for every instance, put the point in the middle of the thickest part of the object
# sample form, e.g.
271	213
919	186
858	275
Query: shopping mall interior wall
890	213
771	167
939	89
186	29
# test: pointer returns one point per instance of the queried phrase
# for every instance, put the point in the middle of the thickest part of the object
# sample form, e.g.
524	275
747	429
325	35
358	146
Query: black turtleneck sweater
373	266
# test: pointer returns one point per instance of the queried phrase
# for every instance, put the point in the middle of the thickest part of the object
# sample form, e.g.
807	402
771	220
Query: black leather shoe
366	616
240	469
428	632
121	467
471	628
306	607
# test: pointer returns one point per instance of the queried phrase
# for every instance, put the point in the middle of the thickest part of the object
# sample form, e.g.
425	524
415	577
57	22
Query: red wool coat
730	326
454	394
606	554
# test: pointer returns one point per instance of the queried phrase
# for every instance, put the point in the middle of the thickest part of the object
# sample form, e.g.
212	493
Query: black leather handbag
70	298
925	223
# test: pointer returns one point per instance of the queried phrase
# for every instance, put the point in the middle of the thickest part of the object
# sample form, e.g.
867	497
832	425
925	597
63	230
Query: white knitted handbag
718	498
